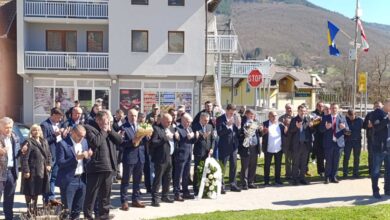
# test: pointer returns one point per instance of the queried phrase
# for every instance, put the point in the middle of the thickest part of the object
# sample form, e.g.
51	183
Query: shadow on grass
357	200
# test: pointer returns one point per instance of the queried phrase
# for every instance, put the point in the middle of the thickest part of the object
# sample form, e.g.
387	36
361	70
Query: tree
381	63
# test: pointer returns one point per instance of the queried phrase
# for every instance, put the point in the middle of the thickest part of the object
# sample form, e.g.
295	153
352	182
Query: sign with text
255	78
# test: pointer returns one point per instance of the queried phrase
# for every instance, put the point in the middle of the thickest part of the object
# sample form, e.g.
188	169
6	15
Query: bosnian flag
365	45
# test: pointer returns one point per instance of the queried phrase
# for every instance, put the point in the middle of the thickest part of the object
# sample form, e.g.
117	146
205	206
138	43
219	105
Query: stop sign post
255	78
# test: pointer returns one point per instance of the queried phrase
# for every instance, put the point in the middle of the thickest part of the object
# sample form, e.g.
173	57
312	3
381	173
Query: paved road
345	193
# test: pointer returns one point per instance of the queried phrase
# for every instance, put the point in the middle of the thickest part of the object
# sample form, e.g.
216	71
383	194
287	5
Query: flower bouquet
143	129
249	131
211	182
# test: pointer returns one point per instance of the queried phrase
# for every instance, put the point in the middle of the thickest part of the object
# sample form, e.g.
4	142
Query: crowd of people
81	153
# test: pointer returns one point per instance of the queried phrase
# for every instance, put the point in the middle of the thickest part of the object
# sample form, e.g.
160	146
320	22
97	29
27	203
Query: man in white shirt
72	154
272	146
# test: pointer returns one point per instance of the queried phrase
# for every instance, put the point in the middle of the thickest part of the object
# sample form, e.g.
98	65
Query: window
139	41
61	40
176	2
95	41
139	2
176	42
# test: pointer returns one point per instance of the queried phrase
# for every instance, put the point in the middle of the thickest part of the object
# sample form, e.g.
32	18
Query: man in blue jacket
333	126
353	141
133	160
228	133
380	120
72	155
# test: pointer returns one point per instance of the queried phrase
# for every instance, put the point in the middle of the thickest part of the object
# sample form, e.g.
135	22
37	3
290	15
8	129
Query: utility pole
357	15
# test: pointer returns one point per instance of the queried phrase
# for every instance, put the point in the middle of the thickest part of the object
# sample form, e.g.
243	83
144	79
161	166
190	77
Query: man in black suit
102	166
182	158
208	108
52	132
227	129
162	149
203	146
367	124
301	137
133	160
286	144
318	148
273	134
381	148
249	149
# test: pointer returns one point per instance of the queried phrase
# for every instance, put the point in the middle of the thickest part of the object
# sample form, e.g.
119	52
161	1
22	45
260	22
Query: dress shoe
137	204
278	182
266	184
245	187
179	198
326	181
235	188
295	183
252	186
155	203
377	195
334	180
188	196
166	199
223	191
125	206
307	174
304	182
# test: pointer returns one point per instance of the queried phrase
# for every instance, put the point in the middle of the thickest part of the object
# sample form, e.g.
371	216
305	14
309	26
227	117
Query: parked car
21	130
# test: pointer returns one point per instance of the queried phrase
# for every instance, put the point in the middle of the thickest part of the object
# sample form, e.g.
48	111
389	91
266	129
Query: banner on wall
184	98
167	101
66	96
150	98
129	98
43	100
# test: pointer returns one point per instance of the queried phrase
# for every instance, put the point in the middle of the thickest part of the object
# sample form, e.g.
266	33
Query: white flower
209	194
215	183
211	176
207	180
211	188
207	184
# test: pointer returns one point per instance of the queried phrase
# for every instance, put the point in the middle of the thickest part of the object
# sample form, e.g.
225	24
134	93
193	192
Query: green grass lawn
363	169
354	212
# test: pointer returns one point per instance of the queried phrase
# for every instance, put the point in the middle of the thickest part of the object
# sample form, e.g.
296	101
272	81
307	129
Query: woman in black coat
35	168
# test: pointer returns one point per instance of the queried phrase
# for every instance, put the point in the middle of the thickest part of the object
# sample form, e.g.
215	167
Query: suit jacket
356	129
37	158
203	145
103	145
369	131
49	135
328	133
228	138
183	149
380	121
294	132
67	161
196	122
132	154
160	147
265	136
4	159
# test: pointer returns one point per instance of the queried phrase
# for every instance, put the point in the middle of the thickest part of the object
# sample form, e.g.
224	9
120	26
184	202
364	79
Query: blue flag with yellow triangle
332	31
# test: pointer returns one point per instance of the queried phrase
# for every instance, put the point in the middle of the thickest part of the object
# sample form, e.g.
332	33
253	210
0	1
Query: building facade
127	52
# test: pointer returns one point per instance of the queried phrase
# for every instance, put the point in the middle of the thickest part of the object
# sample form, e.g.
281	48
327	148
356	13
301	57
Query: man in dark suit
381	148
227	129
353	141
102	140
318	148
208	108
9	165
72	155
367	125
286	144
300	132
52	131
133	161
273	133
333	126
203	146
162	148
182	158
249	149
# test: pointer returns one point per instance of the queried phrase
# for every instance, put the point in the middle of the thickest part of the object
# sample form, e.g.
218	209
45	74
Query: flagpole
356	58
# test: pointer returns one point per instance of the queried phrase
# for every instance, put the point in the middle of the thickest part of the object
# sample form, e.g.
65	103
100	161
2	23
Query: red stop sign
255	78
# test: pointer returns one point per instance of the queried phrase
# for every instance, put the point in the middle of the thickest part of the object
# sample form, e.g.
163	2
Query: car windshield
24	131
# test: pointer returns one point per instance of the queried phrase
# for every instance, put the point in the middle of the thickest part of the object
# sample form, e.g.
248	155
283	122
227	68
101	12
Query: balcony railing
222	43
94	9
241	68
83	61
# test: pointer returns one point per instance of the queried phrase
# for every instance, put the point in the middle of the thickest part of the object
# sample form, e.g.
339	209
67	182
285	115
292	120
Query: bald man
163	146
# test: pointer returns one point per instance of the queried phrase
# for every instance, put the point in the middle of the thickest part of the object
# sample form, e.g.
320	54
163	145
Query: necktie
334	125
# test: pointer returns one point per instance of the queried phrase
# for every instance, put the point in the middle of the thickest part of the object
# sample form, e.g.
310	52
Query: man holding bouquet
133	160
